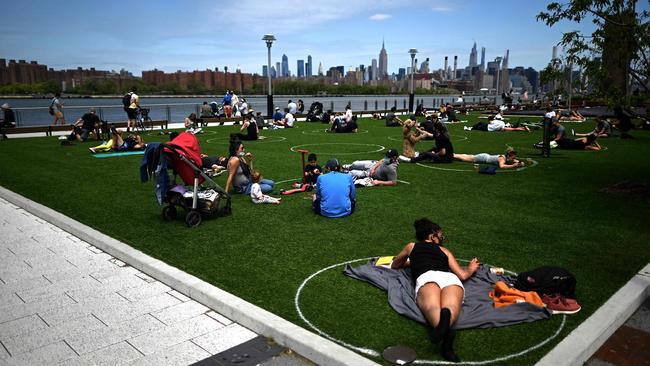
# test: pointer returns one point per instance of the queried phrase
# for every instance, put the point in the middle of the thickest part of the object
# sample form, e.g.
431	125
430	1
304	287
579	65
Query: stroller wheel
169	213
193	219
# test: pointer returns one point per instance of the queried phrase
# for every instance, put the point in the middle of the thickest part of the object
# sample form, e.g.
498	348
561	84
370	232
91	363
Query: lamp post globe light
269	38
412	52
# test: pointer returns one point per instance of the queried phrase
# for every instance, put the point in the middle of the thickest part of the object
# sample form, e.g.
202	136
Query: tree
619	48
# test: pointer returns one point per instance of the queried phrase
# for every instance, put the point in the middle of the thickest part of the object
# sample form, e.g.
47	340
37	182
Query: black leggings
431	156
243	137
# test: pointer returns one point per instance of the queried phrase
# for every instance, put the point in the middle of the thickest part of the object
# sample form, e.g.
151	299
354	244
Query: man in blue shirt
335	194
278	116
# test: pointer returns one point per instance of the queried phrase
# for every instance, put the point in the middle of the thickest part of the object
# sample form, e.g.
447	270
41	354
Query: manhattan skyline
171	36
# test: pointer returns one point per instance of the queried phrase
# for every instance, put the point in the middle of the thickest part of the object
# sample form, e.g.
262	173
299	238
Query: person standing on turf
437	277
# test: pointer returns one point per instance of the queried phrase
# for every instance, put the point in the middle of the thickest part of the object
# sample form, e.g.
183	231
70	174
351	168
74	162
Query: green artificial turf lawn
549	214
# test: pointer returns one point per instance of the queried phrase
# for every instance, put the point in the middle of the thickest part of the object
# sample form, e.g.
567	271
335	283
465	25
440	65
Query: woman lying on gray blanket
438	287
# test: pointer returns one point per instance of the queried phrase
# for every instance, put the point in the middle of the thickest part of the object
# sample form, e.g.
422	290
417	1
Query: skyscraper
278	69
285	66
482	58
375	72
308	66
265	70
383	62
320	69
274	73
301	69
473	55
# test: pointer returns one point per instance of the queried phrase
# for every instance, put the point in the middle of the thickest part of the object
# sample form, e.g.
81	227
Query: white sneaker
573	132
467	128
404	159
63	138
197	131
346	166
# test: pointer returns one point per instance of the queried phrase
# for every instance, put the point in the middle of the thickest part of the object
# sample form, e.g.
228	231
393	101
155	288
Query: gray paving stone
85	307
218	317
641	318
60	287
9	298
91	341
13	312
48	355
115	354
146	291
183	354
95	288
180	312
25	284
133	310
224	338
36	339
21	326
26	250
177	333
179	296
3	354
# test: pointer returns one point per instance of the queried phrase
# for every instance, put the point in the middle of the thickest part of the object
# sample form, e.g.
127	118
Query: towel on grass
477	311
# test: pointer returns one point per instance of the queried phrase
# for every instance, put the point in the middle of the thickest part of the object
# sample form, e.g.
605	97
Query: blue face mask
386	160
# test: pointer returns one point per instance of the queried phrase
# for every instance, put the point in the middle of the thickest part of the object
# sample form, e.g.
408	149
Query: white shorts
440	278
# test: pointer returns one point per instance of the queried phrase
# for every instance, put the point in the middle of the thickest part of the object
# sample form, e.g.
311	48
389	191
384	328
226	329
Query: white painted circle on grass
322	132
379	148
226	139
453	138
373	353
531	163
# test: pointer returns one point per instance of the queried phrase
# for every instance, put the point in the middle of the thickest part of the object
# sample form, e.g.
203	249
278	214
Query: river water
34	112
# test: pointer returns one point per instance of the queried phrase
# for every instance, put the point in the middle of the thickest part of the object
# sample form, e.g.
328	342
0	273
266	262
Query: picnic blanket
477	311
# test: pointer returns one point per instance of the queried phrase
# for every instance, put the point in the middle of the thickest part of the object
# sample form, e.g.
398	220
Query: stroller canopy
187	145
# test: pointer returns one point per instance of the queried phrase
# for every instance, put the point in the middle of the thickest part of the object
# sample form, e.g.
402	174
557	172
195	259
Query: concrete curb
285	333
587	338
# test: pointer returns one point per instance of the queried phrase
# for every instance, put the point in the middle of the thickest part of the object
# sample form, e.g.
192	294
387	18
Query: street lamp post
269	38
412	52
570	64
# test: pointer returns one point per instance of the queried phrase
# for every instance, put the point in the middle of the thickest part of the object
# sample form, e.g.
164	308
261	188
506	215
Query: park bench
47	130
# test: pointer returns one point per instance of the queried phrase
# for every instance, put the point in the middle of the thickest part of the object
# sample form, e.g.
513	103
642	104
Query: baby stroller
203	196
217	109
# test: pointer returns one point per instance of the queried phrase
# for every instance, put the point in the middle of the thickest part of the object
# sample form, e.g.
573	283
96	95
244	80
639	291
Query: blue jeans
265	184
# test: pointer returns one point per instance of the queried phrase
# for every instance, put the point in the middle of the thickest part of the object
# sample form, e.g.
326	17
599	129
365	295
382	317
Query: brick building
210	79
22	72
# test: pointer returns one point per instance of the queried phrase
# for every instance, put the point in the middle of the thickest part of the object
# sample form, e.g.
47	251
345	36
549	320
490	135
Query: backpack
51	109
126	100
547	280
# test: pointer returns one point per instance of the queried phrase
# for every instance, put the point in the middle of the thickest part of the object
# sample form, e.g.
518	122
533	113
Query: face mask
241	154
386	161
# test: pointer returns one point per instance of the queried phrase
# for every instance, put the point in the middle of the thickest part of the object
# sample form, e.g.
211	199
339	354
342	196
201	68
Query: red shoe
560	305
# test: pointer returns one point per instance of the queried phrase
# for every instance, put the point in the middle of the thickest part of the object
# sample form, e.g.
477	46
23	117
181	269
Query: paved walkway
65	301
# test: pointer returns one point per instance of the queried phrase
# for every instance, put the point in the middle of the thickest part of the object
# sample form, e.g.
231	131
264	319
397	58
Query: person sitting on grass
312	169
339	125
391	119
287	121
581	143
117	143
451	114
250	125
335	194
442	152
82	128
505	161
256	191
240	165
192	124
411	135
603	128
437	277
382	172
277	116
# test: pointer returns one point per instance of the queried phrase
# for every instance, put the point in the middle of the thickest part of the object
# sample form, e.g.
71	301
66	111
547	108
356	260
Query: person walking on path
132	109
56	109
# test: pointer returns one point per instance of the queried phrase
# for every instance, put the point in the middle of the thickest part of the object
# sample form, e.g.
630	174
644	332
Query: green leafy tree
617	50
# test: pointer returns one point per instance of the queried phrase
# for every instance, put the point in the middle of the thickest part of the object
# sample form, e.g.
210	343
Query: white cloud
442	9
380	17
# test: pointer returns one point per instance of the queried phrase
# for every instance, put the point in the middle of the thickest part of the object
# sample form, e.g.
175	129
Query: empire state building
383	62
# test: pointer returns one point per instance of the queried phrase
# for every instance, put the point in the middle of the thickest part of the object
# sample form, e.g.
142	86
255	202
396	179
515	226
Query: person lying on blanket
505	161
438	287
117	143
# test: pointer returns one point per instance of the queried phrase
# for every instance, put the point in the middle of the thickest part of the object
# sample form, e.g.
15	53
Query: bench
66	128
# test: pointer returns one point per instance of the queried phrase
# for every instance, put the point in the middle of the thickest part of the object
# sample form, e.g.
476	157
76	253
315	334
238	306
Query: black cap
333	164
413	117
392	153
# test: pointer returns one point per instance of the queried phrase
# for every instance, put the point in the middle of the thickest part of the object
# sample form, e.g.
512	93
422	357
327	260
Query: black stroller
183	155
315	112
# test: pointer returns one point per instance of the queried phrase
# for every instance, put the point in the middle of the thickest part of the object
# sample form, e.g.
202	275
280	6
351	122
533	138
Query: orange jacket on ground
504	296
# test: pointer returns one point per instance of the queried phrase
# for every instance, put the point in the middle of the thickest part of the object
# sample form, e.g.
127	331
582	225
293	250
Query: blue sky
189	35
